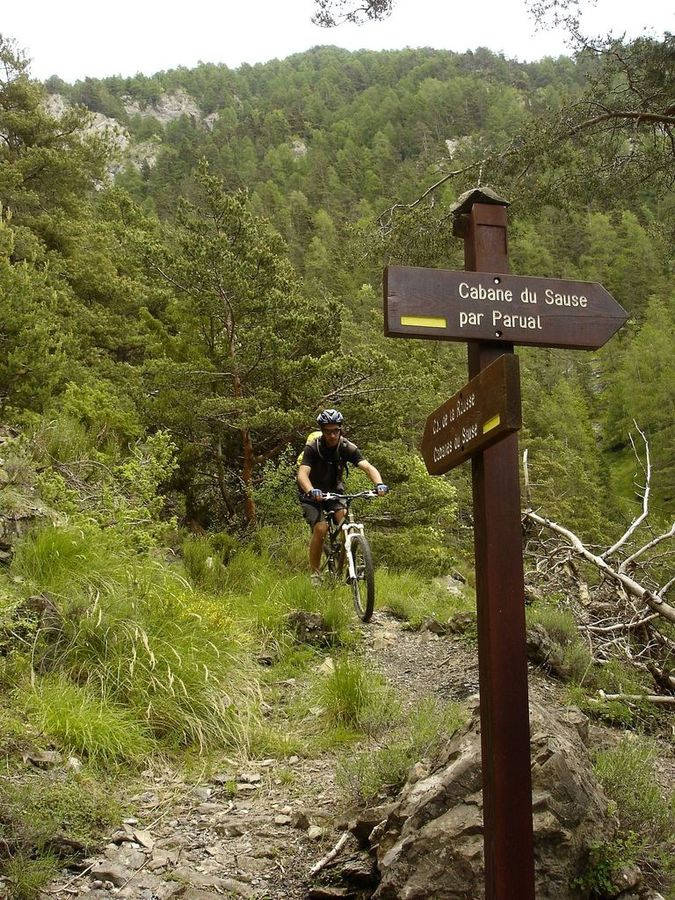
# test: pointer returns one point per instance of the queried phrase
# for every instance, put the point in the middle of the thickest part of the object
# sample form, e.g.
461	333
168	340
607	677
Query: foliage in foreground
37	812
626	772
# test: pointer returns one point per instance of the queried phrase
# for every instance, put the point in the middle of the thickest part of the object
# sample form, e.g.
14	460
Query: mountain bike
346	543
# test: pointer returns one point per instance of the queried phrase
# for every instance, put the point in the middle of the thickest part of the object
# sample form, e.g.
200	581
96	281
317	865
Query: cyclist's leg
314	517
319	532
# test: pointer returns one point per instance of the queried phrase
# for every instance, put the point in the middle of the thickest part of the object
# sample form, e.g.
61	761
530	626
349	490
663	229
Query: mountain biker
321	471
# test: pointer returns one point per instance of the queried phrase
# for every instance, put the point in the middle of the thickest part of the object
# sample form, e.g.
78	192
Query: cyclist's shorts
314	512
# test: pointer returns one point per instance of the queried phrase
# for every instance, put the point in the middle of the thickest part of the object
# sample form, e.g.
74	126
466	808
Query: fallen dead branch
620	616
651	698
330	856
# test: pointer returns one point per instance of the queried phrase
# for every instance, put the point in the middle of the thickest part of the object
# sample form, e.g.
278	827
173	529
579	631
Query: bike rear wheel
363	585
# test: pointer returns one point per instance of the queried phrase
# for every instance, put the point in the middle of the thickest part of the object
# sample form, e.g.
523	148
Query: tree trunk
247	477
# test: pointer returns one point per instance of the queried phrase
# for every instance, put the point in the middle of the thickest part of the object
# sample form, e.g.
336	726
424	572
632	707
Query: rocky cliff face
125	151
167	109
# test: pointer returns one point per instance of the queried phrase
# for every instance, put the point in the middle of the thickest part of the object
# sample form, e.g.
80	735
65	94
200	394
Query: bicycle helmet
330	417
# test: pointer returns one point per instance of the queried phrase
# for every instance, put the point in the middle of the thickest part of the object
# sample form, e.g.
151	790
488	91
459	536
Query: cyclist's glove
381	489
315	494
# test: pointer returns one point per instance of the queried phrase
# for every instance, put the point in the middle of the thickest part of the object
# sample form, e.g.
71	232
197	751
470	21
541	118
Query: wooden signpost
492	311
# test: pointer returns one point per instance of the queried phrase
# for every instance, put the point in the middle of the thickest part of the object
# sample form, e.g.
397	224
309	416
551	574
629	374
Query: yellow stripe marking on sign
490	424
424	321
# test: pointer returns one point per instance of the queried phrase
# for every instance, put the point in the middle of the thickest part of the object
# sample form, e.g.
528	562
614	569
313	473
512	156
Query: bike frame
349	527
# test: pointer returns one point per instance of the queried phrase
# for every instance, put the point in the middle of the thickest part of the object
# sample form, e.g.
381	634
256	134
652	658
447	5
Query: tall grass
413	599
132	631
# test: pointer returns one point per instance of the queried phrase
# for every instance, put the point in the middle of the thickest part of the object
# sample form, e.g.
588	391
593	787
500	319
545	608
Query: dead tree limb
638	520
632	587
664	700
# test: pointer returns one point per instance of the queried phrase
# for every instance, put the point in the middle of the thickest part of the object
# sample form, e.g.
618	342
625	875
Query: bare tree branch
645	498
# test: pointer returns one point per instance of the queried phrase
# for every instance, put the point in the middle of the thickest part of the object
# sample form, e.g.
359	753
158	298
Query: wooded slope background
206	302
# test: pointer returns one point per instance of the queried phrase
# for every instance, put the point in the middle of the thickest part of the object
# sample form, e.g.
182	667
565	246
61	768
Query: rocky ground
207	838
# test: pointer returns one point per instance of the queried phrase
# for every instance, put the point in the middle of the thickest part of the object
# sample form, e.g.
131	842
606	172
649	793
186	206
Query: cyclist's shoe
316	579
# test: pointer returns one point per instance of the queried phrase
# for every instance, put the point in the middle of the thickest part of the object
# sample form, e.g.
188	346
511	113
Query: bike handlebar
371	495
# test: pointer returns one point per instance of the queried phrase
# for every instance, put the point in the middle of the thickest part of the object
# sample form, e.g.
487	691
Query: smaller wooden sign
482	413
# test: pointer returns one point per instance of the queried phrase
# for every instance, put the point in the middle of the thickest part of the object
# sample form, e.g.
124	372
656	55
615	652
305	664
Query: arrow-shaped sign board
482	413
487	306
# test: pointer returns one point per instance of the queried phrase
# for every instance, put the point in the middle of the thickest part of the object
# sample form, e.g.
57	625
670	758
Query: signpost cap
464	203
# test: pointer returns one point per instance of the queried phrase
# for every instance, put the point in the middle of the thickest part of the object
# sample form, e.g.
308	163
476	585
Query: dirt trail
199	840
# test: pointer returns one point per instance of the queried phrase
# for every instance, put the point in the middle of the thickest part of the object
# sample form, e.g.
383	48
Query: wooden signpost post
492	311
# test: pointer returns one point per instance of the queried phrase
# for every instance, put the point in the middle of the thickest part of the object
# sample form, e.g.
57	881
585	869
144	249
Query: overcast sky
75	38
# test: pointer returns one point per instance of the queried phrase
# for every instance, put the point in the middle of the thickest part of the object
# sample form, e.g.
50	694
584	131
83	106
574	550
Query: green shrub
420	549
614	712
604	864
364	776
579	663
40	809
204	564
85	723
558	623
626	772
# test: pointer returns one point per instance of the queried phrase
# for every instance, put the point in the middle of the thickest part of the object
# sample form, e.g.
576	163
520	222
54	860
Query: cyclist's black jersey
326	467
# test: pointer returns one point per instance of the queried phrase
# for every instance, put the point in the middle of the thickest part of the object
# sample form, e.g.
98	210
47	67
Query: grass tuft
354	697
26	876
84	723
558	623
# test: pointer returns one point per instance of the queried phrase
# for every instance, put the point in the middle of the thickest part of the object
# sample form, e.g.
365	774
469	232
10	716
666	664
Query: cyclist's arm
303	479
370	471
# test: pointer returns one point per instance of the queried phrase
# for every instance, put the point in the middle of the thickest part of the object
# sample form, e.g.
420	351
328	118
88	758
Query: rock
461	622
326	893
250	777
626	879
431	842
450	583
310	628
543	651
220	886
282	820
75	764
384	639
110	871
299	820
362	826
434	626
201	792
293	760
43	759
129	857
314	832
327	667
144	838
224	778
360	868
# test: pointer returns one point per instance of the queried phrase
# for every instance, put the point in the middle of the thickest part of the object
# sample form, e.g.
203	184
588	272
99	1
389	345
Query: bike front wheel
363	585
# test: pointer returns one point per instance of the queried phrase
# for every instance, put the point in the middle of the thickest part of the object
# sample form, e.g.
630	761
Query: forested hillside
190	269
